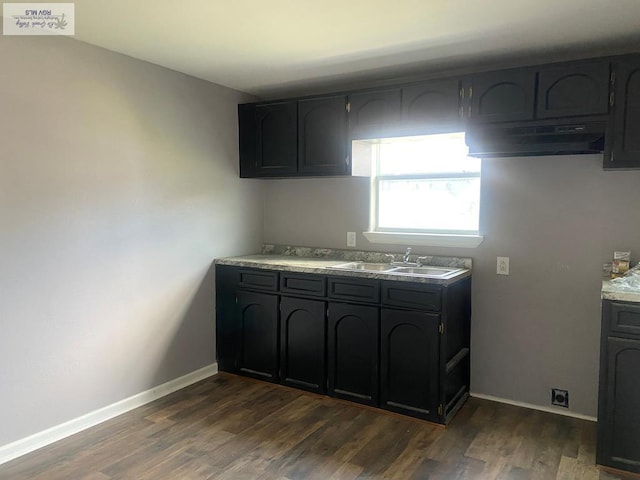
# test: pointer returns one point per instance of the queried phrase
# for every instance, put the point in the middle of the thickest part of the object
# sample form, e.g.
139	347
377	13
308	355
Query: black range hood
535	139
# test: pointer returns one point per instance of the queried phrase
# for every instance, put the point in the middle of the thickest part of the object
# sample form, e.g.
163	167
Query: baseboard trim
41	439
566	413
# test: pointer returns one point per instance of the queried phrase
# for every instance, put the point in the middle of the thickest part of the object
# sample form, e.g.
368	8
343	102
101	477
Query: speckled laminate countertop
610	291
296	264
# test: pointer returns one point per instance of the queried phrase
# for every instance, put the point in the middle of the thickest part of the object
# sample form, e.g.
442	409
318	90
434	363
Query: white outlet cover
351	239
502	266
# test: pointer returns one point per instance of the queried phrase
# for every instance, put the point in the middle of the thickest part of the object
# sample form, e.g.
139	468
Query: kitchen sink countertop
324	261
610	291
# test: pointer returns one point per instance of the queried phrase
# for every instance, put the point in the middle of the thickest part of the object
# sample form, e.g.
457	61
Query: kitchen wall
557	218
118	187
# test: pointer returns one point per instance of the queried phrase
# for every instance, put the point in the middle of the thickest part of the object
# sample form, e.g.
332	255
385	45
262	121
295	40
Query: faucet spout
405	259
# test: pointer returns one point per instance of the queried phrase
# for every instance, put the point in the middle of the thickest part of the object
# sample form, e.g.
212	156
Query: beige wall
557	218
118	187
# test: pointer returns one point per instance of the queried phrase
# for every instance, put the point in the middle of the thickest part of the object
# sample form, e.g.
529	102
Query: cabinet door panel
227	325
626	116
573	90
432	104
303	344
409	362
620	426
322	136
504	96
352	350
371	112
268	139
258	318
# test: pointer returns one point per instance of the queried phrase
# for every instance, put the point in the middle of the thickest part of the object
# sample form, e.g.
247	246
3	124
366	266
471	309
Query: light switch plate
502	267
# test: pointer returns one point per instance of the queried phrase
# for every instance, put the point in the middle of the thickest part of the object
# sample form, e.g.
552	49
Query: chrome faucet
405	259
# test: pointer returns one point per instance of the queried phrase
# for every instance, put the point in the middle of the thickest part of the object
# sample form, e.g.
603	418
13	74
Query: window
423	189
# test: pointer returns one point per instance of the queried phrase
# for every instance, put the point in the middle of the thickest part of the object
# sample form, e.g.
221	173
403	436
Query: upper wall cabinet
573	90
268	139
625	152
504	96
322	136
371	113
433	104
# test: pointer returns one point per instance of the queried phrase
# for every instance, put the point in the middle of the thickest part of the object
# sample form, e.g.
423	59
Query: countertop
297	264
610	291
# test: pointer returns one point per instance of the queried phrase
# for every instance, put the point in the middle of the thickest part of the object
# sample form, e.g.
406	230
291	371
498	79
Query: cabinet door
626	116
504	96
409	356
258	319
302	344
573	90
268	139
352	351
371	113
322	136
227	329
619	425
433	104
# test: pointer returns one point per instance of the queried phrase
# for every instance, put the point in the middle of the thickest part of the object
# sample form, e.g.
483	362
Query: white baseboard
41	439
566	413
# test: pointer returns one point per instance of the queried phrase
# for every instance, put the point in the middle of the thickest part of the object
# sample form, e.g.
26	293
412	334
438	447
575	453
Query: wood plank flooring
232	428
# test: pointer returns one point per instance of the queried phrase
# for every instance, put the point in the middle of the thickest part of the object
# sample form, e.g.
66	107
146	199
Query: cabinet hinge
348	107
440	410
470	93
236	299
461	111
462	93
612	99
441	328
613	78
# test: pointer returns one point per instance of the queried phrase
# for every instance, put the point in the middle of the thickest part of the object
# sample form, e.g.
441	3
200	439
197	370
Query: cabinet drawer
301	284
258	279
357	290
412	295
624	318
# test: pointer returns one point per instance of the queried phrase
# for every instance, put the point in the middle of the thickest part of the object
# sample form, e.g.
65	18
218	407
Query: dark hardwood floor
232	428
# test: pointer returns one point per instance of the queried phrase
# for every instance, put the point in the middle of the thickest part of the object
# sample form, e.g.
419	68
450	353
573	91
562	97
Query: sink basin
364	267
435	272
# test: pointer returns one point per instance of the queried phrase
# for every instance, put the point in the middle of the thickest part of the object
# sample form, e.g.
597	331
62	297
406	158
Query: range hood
535	139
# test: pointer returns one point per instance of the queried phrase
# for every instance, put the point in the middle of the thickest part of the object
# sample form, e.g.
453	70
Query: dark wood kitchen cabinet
302	345
573	89
433	105
352	352
625	152
268	139
258	324
619	395
371	114
503	96
409	353
399	345
322	136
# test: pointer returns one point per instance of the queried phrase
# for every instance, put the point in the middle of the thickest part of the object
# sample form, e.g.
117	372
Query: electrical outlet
502	267
351	239
560	397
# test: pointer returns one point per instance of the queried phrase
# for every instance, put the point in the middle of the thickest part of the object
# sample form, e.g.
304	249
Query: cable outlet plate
560	397
351	239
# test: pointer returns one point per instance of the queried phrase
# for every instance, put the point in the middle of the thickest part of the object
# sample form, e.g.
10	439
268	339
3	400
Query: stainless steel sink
364	267
435	272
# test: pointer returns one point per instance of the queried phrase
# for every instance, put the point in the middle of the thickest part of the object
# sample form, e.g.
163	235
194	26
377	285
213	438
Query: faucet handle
389	257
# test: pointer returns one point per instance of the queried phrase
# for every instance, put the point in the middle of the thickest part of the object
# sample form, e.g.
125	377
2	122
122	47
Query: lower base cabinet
352	351
398	345
258	318
619	400
409	353
302	344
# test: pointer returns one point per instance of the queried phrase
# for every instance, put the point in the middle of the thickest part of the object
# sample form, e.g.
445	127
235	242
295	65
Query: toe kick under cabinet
398	345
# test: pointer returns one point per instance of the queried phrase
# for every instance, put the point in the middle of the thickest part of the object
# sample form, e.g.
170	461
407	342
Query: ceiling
269	47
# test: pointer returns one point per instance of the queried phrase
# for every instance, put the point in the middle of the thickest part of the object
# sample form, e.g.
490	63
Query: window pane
449	204
441	153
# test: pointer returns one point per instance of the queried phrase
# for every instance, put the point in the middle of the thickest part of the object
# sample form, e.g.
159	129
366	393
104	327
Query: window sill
425	239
